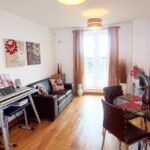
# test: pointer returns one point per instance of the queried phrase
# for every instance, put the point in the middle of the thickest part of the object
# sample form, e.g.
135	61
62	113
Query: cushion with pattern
57	84
42	90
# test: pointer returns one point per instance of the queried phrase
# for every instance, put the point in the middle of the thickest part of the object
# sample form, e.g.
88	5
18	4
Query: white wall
141	43
18	28
64	52
136	38
125	43
125	49
64	48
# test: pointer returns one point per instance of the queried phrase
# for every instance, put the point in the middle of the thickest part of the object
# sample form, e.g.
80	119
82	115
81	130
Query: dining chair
115	121
112	92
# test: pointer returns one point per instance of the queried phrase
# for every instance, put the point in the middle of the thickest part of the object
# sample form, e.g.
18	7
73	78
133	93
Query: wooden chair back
114	120
111	92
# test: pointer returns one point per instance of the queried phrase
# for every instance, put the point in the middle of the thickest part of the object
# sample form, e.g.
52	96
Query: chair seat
130	116
134	134
14	109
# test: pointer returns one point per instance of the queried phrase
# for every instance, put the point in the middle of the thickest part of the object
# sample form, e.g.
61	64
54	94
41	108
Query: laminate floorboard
78	127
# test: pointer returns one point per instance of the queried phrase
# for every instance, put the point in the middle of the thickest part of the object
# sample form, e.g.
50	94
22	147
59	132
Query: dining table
133	104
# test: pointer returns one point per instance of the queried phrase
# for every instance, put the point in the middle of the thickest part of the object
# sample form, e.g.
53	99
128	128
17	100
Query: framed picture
33	53
15	53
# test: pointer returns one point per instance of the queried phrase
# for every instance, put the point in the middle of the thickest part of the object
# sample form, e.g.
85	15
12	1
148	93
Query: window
95	44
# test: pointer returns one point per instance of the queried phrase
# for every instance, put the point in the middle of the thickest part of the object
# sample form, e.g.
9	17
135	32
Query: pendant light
94	23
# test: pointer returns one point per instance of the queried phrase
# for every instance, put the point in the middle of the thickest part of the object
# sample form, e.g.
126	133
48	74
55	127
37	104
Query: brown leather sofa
49	106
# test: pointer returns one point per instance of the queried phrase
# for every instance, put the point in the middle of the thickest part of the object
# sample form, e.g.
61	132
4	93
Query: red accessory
136	98
11	46
133	105
134	72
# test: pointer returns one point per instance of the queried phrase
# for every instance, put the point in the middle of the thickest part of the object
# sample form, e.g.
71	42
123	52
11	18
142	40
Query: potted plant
123	75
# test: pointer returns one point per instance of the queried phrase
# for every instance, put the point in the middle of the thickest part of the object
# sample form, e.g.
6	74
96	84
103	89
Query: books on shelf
21	102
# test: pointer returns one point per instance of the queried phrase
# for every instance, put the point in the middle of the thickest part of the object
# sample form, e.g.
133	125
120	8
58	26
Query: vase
79	90
136	87
124	88
146	96
18	83
59	68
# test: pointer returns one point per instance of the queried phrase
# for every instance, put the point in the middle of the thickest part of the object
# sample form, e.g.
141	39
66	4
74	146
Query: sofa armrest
68	86
46	105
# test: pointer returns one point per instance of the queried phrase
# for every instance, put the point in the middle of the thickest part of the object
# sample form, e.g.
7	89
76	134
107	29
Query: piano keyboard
17	92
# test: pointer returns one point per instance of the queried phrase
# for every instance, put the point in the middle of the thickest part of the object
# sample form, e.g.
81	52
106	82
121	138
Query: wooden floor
78	127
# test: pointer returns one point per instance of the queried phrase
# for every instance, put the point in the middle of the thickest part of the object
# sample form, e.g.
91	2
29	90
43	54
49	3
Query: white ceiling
54	15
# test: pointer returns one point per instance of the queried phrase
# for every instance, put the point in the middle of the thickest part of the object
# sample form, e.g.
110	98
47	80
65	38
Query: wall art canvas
33	53
15	53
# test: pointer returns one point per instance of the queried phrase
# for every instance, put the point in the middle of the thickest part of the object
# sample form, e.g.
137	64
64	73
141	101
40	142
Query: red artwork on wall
11	46
15	53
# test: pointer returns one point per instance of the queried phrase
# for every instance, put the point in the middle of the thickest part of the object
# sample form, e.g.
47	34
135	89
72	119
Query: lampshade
94	23
71	2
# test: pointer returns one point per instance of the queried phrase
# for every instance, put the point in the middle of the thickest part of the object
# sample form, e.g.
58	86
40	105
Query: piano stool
12	110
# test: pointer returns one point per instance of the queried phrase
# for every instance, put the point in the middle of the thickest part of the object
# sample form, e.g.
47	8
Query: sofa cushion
57	84
61	98
68	92
64	92
42	90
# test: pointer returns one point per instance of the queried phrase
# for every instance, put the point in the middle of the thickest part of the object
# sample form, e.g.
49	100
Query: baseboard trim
94	93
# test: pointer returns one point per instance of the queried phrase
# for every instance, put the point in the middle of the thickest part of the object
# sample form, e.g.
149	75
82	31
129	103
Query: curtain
77	58
113	72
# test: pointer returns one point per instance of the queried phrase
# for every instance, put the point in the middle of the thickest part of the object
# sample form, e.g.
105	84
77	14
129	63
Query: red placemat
132	105
136	98
130	97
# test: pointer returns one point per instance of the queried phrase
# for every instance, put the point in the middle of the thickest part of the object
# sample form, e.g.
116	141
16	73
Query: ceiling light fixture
71	2
94	23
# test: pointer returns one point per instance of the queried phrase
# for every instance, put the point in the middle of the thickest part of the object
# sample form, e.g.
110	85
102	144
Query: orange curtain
77	58
113	73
